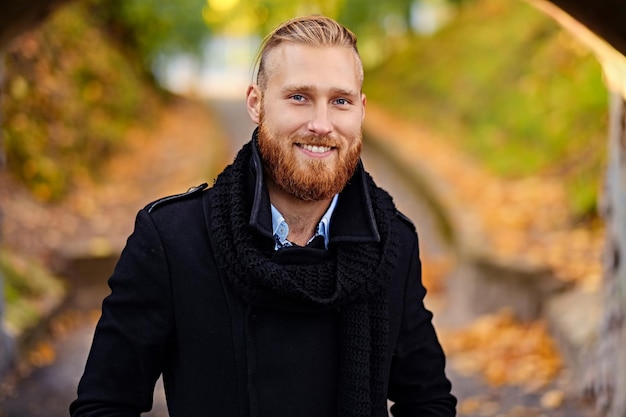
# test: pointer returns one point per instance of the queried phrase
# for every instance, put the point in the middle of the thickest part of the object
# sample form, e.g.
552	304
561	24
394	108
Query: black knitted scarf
354	281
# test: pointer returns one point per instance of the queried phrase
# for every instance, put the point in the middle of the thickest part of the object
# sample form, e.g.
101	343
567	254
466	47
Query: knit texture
353	280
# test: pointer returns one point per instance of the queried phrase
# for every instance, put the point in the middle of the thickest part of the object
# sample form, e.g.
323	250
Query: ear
254	97
363	103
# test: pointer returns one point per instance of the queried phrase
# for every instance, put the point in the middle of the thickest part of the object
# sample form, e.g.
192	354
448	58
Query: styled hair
314	30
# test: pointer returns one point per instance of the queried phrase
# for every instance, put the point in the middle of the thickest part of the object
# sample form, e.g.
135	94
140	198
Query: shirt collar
281	228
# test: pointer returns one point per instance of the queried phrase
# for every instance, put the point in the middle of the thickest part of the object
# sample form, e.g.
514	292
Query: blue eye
298	97
341	101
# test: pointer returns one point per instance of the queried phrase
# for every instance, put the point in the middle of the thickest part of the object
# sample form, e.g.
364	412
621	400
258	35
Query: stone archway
599	24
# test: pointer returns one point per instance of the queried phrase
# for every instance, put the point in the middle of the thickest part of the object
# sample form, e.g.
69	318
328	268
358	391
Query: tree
143	29
374	22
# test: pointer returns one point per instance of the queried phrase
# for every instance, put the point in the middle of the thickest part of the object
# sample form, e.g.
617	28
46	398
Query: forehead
313	65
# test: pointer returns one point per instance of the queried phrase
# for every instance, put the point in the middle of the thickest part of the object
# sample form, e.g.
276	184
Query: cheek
349	123
282	125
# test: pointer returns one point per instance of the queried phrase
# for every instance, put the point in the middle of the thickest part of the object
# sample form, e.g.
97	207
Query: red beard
314	180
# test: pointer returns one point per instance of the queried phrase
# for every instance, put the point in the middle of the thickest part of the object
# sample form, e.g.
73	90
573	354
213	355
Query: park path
174	157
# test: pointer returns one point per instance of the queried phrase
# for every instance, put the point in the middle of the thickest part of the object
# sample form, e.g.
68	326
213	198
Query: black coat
171	312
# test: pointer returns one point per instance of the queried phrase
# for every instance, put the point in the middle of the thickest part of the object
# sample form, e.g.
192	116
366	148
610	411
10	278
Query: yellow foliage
43	354
504	351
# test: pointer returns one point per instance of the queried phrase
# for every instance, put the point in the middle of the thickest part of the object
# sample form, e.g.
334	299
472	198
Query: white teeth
317	149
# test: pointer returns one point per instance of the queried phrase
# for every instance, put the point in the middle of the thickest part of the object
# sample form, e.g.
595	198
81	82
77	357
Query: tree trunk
605	379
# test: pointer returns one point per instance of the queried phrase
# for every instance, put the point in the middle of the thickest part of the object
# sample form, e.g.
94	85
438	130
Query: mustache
316	140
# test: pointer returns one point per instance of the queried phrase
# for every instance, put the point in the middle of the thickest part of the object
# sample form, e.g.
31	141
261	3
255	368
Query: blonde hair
312	30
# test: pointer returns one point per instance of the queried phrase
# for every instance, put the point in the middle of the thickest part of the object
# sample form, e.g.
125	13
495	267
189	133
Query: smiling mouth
315	148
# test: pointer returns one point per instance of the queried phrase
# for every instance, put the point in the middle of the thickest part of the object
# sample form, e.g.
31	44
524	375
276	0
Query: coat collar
352	221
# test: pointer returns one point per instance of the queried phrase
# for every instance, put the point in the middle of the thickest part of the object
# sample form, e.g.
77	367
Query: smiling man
292	287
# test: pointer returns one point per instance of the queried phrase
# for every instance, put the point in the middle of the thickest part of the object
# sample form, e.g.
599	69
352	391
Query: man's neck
302	217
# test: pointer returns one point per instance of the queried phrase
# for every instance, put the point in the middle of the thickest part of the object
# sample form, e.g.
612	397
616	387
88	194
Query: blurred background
487	119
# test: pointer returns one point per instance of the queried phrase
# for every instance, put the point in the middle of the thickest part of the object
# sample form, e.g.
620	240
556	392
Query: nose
320	122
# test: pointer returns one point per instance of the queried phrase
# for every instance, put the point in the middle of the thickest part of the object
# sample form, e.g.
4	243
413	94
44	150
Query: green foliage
67	99
146	28
507	85
374	22
29	289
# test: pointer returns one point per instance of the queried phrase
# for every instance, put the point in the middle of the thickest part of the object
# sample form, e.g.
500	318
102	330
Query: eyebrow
311	89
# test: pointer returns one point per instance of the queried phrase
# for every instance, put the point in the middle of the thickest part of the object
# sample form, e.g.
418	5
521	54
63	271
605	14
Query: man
292	287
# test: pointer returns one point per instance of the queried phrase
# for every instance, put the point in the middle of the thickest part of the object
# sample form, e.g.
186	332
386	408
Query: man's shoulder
405	221
192	192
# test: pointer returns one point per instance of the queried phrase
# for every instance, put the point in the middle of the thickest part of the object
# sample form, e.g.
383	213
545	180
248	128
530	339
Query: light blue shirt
281	228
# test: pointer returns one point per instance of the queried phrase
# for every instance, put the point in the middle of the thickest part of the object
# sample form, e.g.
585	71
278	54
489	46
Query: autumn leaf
504	351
